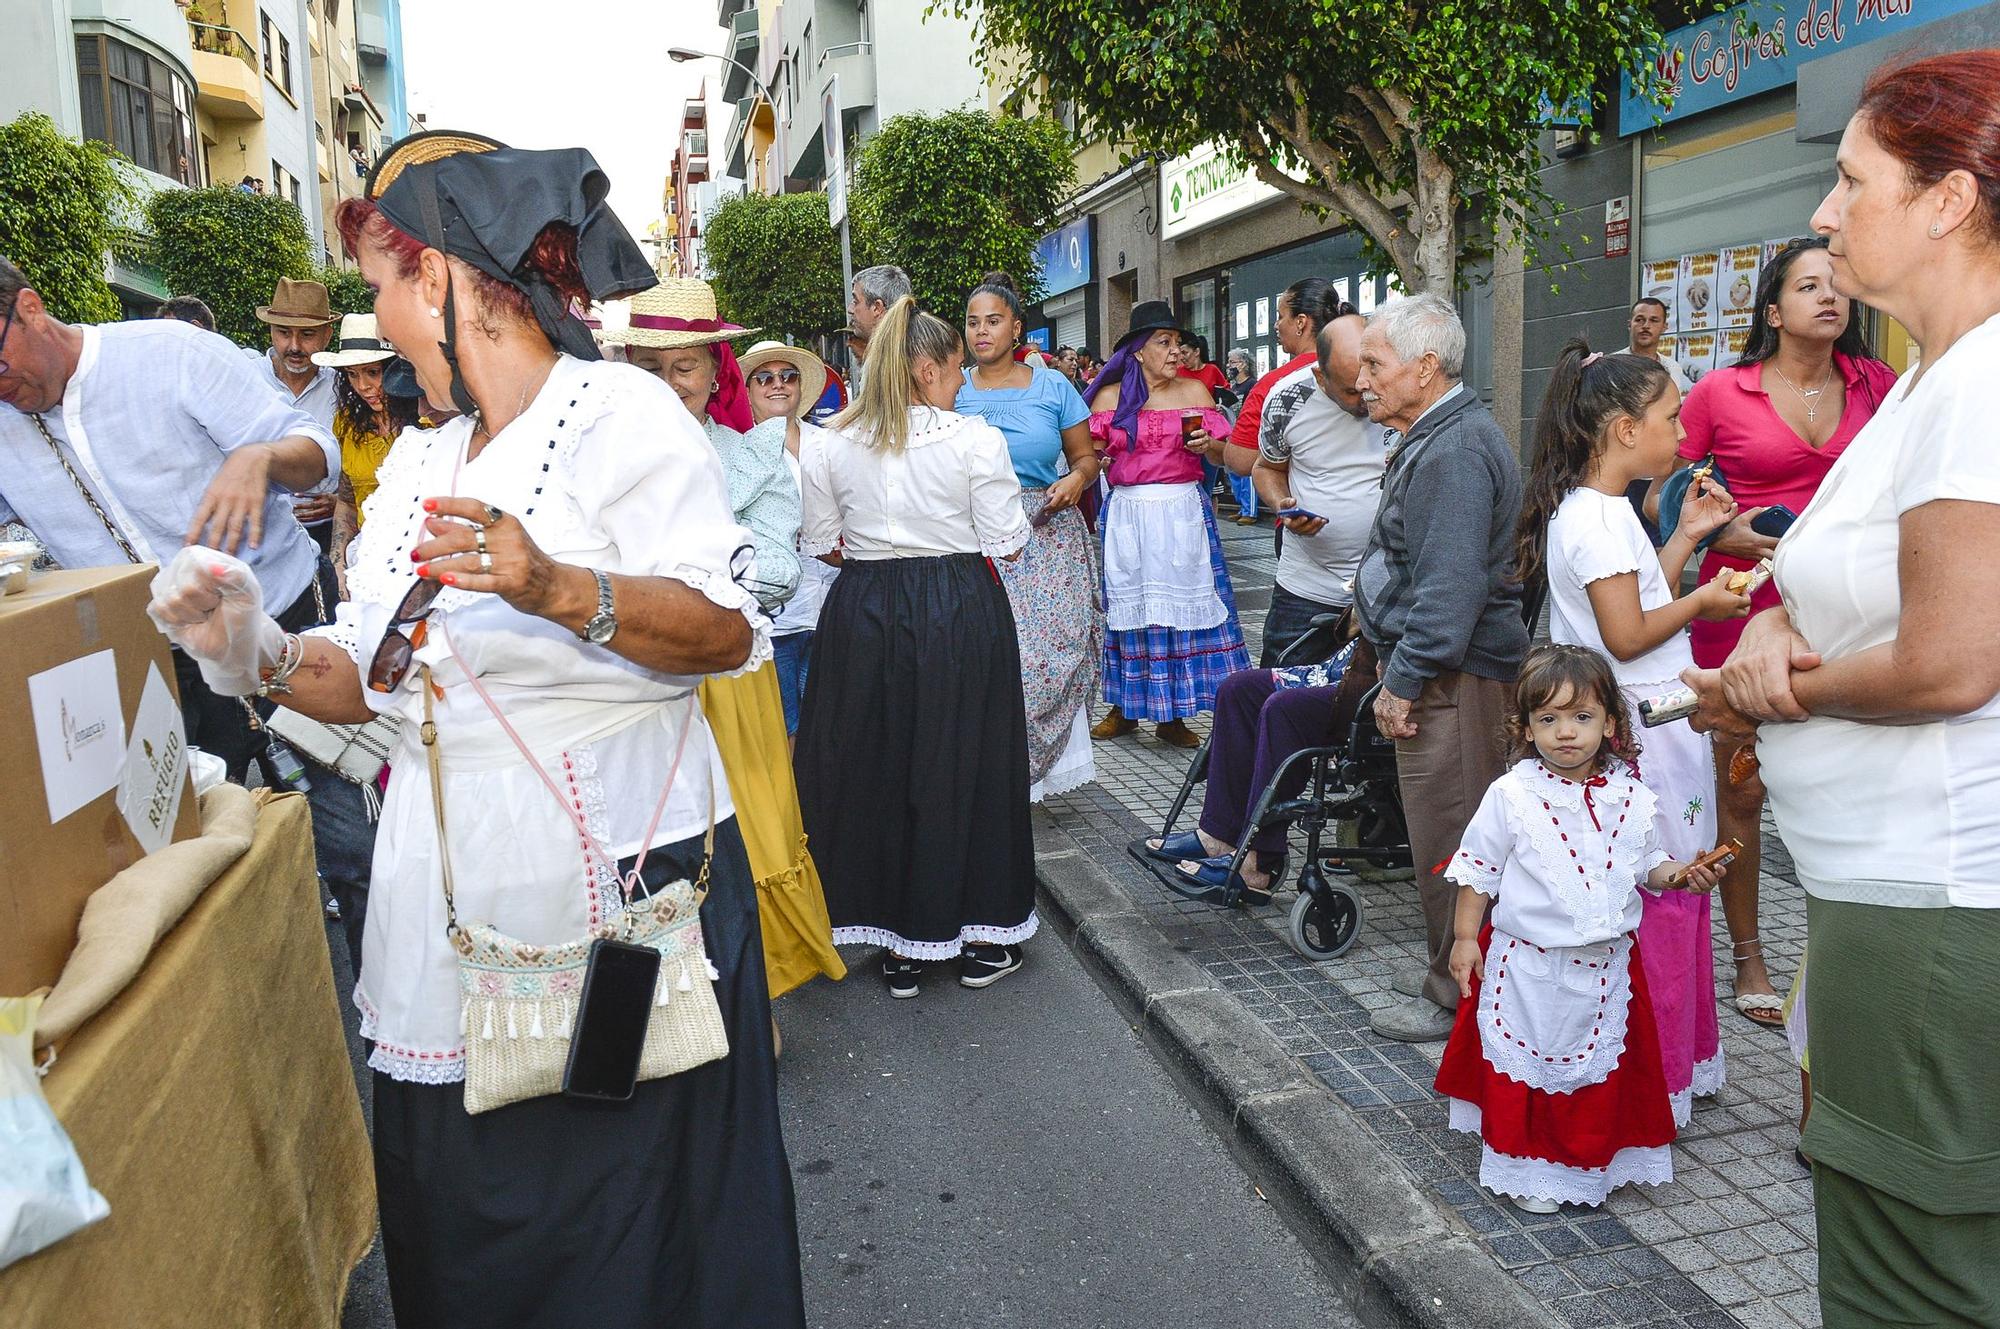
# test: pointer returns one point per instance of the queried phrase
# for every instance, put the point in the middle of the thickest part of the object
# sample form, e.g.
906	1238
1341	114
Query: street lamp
680	55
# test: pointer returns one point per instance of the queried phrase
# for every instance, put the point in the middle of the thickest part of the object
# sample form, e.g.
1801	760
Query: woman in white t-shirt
1875	687
1605	422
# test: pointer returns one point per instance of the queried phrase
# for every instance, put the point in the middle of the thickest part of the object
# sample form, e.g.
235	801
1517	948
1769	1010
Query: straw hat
812	370
360	344
422	147
679	312
297	304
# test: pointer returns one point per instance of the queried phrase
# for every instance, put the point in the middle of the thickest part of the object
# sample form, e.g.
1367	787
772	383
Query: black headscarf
487	207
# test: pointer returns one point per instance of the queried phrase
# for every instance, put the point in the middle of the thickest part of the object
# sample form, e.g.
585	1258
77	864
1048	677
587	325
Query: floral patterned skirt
1053	589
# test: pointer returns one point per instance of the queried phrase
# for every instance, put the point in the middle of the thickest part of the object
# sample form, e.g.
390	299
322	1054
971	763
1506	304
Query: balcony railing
218	40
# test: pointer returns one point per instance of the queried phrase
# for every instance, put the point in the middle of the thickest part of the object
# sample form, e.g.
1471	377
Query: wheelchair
1351	786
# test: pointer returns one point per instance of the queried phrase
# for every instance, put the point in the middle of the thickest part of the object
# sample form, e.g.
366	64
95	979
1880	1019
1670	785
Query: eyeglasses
764	378
7	330
392	658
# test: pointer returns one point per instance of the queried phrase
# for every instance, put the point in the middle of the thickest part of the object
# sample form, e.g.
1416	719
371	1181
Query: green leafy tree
1384	113
229	248
345	290
951	197
774	262
59	201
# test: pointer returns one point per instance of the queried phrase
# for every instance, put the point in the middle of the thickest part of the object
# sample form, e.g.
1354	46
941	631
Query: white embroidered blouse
1565	861
951	490
606	470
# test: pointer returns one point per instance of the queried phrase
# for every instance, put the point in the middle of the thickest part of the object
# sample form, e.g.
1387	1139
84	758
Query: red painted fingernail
430	505
413	556
423	569
449	579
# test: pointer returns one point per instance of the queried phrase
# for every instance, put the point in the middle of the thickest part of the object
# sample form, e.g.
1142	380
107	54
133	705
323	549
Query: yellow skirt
748	717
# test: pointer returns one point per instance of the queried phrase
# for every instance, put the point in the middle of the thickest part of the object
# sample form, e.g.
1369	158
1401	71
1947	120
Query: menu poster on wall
1243	322
1263	317
1697	353
1734	342
1771	248
1738	282
1699	297
1263	360
1661	280
1340	288
1670	345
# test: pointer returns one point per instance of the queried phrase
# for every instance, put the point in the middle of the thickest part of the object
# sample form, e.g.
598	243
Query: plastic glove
211	606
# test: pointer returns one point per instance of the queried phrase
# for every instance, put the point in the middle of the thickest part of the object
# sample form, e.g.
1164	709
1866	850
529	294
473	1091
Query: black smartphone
611	1021
1774	521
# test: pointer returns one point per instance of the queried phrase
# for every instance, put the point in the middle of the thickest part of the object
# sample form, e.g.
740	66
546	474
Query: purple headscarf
1123	368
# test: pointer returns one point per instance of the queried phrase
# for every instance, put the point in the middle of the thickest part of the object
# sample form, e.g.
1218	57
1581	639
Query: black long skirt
674	1209
913	758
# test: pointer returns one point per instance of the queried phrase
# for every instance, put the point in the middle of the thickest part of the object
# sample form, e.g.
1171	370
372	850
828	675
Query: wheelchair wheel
1324	926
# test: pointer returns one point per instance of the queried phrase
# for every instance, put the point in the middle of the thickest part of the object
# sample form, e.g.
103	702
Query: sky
578	73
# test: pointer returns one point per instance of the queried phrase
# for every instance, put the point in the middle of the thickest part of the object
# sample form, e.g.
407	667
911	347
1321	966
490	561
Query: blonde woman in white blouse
913	745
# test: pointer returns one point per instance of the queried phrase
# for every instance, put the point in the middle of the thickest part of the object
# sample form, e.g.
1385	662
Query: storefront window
138	105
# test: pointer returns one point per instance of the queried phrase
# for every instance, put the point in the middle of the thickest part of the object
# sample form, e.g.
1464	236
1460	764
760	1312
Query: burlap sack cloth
211	1100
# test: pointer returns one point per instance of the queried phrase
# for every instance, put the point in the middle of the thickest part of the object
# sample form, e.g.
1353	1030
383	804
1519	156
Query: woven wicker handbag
518	1000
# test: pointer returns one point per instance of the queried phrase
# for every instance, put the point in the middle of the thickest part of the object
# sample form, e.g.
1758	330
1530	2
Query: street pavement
1012	1156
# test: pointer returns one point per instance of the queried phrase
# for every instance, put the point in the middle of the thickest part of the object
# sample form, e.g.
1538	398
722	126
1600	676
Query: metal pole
846	262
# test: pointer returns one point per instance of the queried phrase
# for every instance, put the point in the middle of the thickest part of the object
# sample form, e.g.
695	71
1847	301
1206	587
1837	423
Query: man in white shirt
1646	326
301	321
1318	450
128	440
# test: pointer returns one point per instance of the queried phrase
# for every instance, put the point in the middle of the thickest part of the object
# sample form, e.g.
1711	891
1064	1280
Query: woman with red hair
550	576
1874	692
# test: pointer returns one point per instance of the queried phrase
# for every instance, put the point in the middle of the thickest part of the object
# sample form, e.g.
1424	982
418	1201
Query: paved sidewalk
1729	1242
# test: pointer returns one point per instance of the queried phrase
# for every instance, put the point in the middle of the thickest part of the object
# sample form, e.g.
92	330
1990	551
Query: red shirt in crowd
1216	380
1244	435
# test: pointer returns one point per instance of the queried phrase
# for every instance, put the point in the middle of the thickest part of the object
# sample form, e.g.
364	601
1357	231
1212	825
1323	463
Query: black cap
1150	316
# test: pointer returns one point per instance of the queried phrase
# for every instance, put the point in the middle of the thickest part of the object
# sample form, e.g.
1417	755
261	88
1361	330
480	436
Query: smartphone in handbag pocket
611	1019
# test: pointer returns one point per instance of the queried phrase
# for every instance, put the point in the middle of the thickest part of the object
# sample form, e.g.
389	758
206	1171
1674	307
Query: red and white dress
1555	1059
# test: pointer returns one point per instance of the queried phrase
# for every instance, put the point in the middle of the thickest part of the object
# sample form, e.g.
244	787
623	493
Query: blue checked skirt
1161	674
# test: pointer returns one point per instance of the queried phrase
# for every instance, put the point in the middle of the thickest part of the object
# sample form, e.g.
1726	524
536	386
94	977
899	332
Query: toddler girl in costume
1555	1060
1606	421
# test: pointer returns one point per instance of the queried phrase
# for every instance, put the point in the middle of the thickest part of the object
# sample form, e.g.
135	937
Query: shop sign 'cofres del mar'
1759	46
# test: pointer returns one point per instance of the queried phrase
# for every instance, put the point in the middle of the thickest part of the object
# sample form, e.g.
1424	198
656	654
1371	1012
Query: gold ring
479	538
493	515
485	561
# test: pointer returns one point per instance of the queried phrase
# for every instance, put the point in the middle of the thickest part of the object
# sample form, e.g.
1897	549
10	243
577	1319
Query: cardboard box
77	656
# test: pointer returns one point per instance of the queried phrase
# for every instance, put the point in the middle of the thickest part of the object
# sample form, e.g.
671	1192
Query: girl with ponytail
1606	421
913	740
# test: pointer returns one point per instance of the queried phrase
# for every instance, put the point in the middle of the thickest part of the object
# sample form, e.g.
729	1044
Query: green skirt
1905	1128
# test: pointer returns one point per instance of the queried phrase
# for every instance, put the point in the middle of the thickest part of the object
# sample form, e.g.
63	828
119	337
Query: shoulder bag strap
83	490
429	733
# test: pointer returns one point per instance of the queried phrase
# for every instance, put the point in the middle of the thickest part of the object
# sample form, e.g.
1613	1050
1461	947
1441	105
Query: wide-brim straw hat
360	344
812	369
679	312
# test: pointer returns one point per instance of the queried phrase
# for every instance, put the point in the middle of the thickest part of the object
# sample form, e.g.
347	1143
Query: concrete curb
1404	1262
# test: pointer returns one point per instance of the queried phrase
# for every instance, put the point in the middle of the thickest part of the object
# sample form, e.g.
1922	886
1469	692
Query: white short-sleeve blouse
1565	862
1894	814
951	490
606	470
1594	536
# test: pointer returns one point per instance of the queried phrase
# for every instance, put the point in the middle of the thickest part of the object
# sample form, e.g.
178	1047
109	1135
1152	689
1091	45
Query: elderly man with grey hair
1438	601
874	290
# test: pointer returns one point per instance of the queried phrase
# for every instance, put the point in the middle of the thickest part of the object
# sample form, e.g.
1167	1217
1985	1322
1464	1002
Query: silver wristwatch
604	626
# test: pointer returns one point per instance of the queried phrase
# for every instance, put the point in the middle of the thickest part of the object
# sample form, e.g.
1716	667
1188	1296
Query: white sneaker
1531	1205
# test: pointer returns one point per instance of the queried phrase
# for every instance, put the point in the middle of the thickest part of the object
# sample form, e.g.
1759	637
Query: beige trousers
1460	749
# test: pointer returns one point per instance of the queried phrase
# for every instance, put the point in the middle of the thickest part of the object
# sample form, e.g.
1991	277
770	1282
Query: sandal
1177	847
1210	879
1766	1010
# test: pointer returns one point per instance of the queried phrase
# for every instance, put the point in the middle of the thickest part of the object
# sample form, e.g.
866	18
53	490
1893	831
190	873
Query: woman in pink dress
1171	633
1774	422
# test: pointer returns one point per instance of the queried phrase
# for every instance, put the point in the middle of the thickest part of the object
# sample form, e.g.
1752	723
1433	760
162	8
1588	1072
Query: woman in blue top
1053	585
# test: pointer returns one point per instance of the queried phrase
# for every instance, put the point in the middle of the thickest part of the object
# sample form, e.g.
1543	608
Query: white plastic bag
211	606
44	1195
